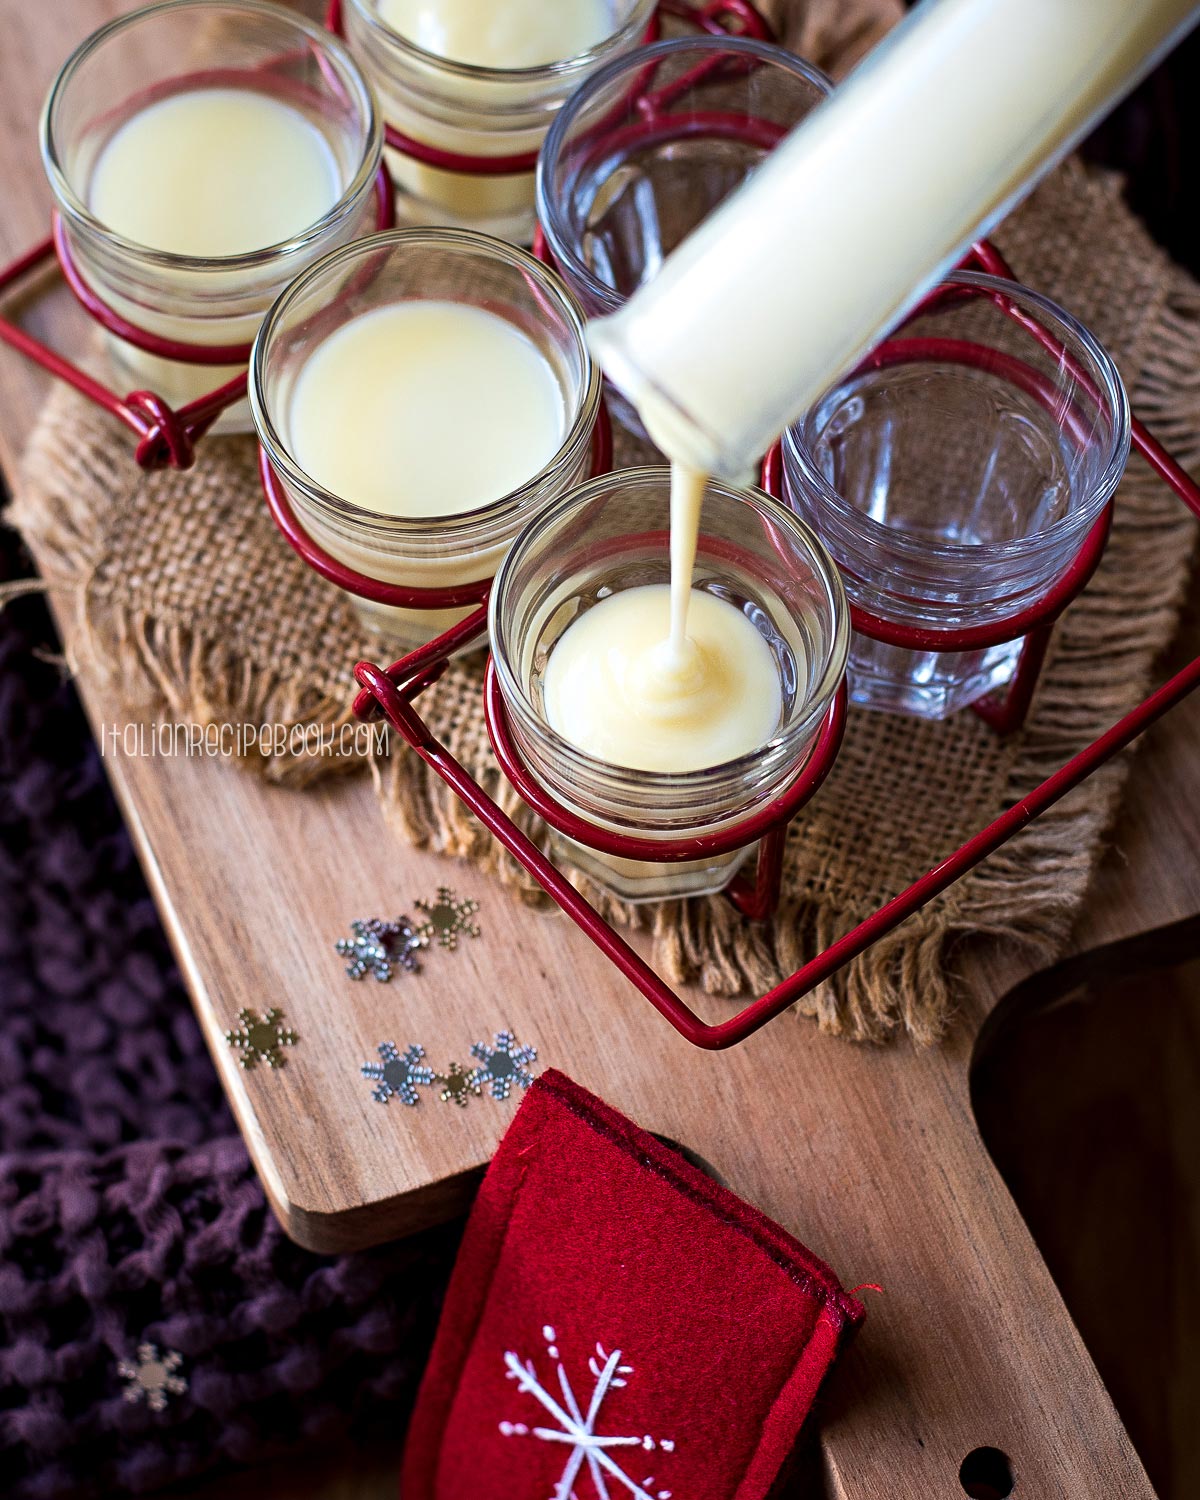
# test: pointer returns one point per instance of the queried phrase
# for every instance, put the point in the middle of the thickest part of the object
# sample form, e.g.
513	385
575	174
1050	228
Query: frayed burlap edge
155	663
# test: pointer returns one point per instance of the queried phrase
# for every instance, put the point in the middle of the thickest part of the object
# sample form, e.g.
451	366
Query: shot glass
954	476
159	54
649	146
611	534
422	551
465	114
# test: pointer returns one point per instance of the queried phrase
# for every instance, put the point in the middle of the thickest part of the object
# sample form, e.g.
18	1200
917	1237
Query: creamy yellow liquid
480	116
500	33
617	687
214	172
665	677
687	497
426	409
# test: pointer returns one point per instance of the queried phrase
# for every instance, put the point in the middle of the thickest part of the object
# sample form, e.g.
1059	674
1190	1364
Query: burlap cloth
185	594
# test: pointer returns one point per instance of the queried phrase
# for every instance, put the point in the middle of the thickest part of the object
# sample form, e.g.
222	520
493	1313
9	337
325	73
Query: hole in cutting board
986	1474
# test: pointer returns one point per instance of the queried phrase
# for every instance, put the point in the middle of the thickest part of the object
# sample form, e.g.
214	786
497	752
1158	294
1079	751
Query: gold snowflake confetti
259	1038
446	918
457	1085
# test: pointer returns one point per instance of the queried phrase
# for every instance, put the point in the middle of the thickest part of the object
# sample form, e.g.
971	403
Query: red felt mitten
618	1326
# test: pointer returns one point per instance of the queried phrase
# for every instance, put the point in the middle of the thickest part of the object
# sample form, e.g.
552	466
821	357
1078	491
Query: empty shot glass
955	476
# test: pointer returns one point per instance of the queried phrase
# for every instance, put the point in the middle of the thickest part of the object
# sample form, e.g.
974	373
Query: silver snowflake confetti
457	1085
502	1065
577	1428
446	918
259	1038
378	948
398	1074
153	1378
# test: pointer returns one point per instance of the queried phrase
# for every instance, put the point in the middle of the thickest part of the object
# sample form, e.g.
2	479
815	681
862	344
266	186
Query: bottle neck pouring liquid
870	200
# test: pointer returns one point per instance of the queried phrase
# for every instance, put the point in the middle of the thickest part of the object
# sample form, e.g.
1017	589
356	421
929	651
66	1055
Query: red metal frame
756	898
403	596
391	693
711	17
1034	625
166	435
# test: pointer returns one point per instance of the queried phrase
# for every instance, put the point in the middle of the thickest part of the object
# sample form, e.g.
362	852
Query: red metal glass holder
757	897
717	17
1004	710
405	596
166	435
391	692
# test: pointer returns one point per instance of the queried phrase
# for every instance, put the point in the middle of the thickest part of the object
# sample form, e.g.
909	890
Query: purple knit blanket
154	1320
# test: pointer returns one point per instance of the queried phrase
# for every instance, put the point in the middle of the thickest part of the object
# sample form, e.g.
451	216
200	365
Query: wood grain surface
871	1156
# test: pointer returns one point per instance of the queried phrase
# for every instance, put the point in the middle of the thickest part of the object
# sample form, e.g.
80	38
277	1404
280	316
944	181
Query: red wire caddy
167	437
392	691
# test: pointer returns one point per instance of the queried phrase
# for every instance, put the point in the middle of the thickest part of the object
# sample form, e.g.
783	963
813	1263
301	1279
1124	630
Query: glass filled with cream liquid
421	396
665	723
481	79
202	153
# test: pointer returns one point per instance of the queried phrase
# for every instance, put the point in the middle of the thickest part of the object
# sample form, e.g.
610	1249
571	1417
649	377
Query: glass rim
1111	388
578	434
639	16
81	216
550	212
796	734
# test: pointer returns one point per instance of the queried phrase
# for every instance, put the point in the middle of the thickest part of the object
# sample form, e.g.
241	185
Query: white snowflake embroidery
579	1429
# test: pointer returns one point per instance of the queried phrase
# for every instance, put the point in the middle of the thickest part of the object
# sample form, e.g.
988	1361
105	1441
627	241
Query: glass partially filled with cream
659	693
202	153
474	85
420	396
